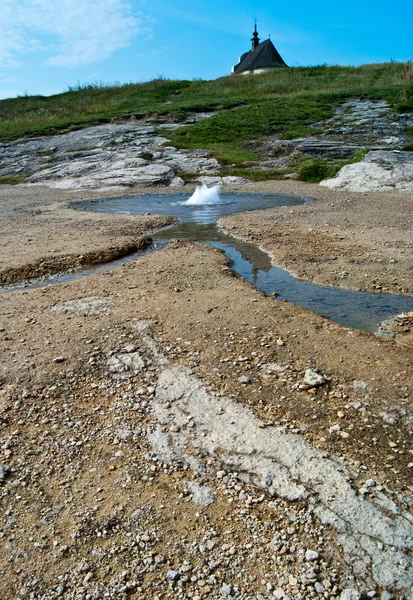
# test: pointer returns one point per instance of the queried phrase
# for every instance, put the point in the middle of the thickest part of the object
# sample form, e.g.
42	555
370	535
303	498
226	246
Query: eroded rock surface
376	535
106	156
379	171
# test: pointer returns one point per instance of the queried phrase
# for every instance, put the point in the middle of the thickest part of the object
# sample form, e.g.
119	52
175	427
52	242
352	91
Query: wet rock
379	171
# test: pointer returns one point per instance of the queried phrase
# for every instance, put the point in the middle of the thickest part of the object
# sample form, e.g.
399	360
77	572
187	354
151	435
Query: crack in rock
377	546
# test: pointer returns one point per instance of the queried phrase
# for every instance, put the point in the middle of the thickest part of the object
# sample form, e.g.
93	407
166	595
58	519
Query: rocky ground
168	431
129	154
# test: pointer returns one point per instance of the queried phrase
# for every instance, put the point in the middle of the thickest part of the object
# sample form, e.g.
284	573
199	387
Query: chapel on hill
262	57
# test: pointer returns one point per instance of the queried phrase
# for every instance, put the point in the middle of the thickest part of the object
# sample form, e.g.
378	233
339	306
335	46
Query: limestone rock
350	594
120	363
379	171
313	379
202	494
106	156
227	180
380	535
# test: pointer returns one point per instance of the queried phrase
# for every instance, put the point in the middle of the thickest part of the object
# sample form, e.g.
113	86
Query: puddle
198	223
360	310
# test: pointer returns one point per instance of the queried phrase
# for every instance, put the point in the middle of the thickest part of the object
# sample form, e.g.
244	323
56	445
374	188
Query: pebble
172	575
4	471
311	555
313	379
350	594
244	379
226	590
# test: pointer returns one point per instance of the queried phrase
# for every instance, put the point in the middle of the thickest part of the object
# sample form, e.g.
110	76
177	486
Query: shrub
314	171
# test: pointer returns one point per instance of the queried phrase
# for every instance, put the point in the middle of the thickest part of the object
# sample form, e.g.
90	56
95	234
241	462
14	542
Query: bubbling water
205	195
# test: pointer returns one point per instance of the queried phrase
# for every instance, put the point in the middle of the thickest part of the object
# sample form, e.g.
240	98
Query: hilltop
245	112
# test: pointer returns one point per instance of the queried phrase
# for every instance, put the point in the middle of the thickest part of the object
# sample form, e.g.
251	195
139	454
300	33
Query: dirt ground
88	510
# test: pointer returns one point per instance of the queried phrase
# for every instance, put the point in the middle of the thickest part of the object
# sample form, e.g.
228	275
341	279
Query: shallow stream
198	223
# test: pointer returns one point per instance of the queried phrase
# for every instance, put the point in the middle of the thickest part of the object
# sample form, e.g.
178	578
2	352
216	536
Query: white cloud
72	32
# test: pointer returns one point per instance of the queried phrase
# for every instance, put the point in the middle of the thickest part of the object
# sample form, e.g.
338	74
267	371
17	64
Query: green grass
13	179
310	88
285	102
315	170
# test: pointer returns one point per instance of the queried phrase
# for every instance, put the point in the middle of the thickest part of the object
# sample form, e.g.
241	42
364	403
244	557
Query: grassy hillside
286	102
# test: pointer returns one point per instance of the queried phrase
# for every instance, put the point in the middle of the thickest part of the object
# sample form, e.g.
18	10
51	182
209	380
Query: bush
314	171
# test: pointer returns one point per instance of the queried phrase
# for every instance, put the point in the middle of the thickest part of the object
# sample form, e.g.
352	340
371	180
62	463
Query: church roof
263	56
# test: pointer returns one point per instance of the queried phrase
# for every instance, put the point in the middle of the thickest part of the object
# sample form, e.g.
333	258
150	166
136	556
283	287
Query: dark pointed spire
255	39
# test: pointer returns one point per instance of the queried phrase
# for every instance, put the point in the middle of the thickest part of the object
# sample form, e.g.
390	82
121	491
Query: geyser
205	195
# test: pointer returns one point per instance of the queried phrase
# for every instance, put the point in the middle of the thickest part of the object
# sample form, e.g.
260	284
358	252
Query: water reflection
362	310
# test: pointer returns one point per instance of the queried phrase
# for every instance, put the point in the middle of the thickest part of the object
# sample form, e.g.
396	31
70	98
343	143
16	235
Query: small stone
244	379
313	379
172	575
278	594
59	359
350	594
319	588
386	596
226	590
280	342
220	474
4	471
129	348
311	555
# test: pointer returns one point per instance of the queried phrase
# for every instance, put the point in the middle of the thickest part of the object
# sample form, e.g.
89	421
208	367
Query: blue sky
48	45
